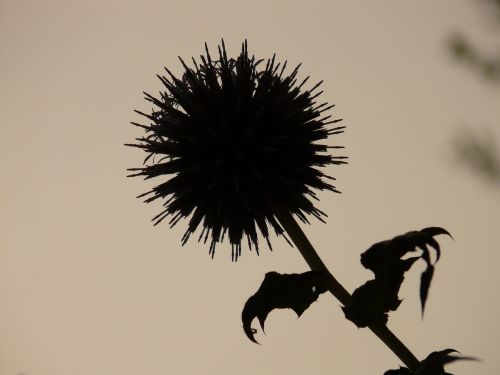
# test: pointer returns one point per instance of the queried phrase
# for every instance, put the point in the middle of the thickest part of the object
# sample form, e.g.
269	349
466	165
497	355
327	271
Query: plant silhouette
238	145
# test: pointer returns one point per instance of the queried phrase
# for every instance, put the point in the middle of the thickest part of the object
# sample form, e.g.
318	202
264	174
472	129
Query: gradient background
89	287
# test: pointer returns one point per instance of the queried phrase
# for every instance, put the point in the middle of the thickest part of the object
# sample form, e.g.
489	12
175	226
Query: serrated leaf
400	371
433	364
281	291
372	301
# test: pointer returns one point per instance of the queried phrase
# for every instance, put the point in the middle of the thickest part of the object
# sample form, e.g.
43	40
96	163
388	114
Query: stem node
316	264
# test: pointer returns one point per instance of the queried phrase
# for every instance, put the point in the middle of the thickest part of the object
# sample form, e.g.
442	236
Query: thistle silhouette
238	146
236	143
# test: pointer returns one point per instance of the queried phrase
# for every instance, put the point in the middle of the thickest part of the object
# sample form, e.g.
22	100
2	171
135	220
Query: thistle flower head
233	141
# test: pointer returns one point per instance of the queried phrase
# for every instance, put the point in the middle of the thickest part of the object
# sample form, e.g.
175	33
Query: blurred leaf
488	65
372	301
479	153
281	291
460	48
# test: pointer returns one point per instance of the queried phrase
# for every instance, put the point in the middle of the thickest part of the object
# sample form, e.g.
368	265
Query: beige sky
89	287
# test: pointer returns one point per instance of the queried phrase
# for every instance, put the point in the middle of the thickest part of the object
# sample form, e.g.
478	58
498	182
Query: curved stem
315	263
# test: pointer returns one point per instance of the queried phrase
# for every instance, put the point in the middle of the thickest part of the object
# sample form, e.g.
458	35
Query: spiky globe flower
235	140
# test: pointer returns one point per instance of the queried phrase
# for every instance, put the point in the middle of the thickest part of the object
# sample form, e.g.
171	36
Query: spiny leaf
281	291
433	364
400	371
372	301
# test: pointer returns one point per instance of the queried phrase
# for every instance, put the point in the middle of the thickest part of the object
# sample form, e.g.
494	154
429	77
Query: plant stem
315	263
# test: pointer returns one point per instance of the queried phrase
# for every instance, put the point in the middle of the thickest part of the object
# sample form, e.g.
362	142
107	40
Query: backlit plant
237	146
